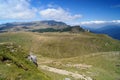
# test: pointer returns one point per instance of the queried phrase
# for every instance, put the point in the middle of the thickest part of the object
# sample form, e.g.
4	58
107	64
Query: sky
83	12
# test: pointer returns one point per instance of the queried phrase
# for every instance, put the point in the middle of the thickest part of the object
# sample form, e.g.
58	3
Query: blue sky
69	11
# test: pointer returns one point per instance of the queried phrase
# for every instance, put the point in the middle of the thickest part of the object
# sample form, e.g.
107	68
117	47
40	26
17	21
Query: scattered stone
67	79
33	58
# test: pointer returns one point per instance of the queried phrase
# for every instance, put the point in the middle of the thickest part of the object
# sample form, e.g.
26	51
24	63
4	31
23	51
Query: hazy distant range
112	30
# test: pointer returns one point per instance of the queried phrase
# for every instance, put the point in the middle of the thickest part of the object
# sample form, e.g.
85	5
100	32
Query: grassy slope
61	45
14	65
75	46
104	65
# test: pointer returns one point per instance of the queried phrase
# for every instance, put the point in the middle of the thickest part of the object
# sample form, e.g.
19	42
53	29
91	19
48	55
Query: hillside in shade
111	30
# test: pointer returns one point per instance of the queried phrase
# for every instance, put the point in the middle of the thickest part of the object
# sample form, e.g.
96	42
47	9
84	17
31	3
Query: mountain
61	45
40	26
25	26
111	30
72	29
96	56
83	53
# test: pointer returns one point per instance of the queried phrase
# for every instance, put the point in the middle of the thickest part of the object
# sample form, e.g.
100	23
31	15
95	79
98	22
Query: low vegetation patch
15	66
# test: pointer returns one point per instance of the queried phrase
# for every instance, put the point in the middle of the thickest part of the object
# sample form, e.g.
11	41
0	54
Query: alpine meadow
59	40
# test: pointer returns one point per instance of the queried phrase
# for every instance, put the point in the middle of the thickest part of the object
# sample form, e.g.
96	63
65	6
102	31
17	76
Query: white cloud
16	9
99	22
22	9
58	14
115	21
93	22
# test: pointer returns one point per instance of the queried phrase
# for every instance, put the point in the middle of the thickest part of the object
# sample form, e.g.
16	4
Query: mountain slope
94	55
61	45
15	66
98	66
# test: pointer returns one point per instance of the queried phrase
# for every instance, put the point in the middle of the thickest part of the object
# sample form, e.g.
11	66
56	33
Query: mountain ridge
33	25
40	26
111	30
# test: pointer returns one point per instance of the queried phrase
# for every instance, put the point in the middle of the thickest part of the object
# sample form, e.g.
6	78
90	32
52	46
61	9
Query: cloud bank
22	9
58	14
98	24
16	9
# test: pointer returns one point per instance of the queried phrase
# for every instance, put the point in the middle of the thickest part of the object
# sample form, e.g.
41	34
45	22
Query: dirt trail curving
64	72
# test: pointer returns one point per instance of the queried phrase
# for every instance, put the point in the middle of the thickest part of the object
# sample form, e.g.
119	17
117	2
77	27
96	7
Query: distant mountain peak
33	25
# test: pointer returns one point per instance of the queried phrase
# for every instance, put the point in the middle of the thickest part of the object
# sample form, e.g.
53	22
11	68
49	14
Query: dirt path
64	72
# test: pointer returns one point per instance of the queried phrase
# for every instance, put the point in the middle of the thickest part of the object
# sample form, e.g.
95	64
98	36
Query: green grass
14	65
22	39
61	45
64	48
103	65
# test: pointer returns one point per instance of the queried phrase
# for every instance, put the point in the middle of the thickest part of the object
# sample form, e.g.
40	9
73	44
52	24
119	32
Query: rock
67	79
